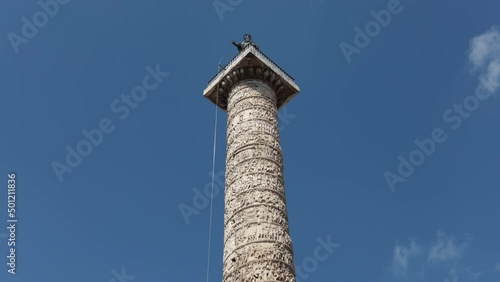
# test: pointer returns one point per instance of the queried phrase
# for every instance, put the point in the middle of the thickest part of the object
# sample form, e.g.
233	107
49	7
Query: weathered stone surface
251	63
257	244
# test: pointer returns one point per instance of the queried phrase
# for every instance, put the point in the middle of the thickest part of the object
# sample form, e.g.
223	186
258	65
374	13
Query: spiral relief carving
257	244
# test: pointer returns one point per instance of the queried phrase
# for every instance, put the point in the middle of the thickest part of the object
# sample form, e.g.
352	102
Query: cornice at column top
251	64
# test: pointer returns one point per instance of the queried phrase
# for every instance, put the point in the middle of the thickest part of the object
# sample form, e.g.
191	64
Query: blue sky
427	75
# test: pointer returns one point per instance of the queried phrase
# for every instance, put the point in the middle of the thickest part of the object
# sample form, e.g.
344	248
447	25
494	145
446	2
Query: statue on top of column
247	40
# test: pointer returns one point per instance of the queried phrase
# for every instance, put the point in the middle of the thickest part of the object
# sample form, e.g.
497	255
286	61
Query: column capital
251	64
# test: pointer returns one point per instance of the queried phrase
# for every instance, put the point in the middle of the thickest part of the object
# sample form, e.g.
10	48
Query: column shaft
257	244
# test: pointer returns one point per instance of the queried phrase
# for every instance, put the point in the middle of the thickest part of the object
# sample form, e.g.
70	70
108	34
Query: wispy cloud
453	276
484	57
442	258
445	249
401	256
497	267
460	273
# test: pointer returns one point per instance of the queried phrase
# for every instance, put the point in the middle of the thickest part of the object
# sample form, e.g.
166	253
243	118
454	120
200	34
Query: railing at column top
264	57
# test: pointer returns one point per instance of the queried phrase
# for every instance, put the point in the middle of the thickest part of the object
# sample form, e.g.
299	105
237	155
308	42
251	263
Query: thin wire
213	177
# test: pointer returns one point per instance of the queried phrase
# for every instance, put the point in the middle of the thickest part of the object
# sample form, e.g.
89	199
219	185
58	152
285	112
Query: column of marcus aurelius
257	244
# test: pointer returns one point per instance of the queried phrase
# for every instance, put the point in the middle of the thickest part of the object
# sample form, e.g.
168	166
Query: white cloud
484	56
401	256
453	276
445	249
484	47
441	259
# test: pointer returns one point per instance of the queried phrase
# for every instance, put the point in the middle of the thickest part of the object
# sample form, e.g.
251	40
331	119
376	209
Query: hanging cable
213	175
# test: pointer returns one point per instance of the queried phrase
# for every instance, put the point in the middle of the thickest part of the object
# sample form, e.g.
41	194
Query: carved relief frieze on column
257	236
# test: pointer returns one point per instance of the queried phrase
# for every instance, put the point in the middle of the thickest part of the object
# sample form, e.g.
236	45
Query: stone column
257	244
